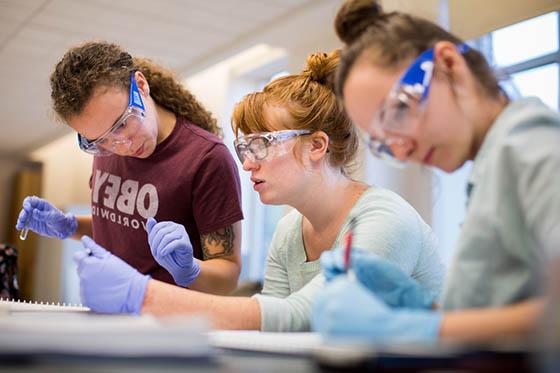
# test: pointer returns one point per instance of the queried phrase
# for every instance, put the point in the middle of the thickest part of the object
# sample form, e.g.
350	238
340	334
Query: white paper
103	335
285	343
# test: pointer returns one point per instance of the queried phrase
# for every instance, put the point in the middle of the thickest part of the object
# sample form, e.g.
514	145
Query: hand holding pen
382	277
348	247
107	283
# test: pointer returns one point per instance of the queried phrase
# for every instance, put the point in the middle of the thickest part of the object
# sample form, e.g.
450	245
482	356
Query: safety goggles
119	135
403	108
259	146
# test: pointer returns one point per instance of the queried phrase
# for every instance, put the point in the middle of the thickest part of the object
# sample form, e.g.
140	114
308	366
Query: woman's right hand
382	277
43	218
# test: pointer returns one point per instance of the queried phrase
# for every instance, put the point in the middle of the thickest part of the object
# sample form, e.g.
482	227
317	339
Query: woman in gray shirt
426	97
298	146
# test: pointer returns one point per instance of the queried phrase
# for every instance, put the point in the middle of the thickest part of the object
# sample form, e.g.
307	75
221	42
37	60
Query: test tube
23	233
25	230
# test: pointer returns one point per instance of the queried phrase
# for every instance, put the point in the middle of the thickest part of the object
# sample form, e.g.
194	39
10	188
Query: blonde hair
310	101
94	64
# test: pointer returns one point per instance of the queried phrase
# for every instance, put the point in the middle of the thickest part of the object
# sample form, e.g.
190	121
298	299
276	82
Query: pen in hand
348	246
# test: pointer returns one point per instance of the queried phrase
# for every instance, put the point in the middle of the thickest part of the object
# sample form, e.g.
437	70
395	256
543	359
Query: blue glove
382	277
172	249
107	283
43	218
346	309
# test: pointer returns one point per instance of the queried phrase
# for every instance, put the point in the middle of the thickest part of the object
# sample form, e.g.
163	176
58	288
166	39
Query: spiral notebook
10	305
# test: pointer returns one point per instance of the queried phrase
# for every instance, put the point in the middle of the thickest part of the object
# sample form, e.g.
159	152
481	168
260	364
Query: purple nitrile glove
381	276
346	309
43	218
172	249
107	283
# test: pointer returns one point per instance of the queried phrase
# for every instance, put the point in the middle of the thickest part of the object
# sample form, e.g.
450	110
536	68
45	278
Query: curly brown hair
310	100
95	64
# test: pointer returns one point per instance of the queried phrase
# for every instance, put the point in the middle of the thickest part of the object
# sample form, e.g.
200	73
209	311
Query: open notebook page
282	343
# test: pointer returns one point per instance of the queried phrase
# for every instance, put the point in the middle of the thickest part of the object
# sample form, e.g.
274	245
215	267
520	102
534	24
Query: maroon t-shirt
190	179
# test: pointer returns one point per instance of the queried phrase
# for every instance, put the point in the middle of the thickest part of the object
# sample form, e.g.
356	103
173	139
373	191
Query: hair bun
321	67
354	17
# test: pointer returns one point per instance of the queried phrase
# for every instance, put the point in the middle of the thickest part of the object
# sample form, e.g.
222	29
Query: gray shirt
513	218
385	224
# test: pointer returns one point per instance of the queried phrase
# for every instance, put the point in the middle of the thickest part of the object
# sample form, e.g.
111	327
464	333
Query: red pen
348	244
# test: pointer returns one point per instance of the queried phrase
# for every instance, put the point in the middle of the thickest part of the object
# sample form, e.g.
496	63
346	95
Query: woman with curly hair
157	155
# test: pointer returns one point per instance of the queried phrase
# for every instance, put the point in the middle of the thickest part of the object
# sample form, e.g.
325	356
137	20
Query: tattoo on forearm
218	244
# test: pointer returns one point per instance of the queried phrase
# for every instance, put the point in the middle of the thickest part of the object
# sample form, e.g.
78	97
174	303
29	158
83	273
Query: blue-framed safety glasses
404	107
122	130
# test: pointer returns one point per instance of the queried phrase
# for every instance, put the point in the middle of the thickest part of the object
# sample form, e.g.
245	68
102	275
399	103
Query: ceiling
186	35
181	34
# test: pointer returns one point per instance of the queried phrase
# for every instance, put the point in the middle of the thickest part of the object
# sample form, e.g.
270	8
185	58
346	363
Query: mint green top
512	225
385	224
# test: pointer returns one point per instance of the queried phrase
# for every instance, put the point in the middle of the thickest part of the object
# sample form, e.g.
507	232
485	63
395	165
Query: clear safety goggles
259	146
120	134
403	108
